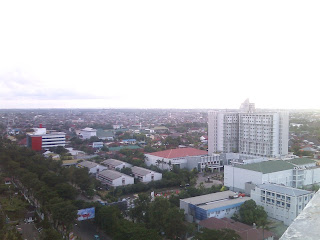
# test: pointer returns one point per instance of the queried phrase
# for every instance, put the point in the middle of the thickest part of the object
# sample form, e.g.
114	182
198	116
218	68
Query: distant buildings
97	144
281	202
249	132
129	141
218	205
87	133
41	139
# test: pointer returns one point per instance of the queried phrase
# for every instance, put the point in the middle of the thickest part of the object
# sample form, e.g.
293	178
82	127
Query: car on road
96	237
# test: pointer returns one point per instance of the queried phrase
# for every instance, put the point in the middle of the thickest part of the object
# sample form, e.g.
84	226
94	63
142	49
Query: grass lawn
277	227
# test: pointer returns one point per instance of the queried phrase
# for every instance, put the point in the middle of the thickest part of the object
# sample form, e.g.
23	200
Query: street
86	231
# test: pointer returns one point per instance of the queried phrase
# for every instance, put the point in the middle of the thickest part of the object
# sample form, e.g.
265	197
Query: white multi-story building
87	133
281	202
249	132
42	139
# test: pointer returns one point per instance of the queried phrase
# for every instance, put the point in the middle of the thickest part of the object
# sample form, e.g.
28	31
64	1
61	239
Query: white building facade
280	202
42	139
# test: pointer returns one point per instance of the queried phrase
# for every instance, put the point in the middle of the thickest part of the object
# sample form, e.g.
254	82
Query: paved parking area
204	178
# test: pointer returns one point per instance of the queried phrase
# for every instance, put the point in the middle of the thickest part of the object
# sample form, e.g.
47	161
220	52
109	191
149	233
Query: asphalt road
86	231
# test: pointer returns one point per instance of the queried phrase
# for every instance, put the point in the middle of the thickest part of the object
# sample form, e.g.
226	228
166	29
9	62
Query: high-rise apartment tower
249	132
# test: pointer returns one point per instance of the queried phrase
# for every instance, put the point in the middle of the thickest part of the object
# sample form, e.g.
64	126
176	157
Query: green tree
250	213
166	219
50	234
108	218
135	231
138	213
66	191
212	234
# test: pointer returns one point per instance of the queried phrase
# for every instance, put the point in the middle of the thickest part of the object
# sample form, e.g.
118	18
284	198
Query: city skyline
142	54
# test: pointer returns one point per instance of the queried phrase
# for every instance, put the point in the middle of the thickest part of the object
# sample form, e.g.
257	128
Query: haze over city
168	54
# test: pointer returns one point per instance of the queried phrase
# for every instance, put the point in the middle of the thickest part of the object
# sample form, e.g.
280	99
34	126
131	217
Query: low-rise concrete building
113	164
173	157
281	202
94	168
145	175
114	178
219	205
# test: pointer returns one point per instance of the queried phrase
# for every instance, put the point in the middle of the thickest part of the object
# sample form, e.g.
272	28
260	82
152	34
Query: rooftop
88	164
283	189
245	231
214	200
112	174
179	153
301	161
268	166
88	129
116	149
141	171
113	162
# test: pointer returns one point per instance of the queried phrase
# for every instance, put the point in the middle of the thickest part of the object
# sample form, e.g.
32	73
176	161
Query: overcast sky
159	54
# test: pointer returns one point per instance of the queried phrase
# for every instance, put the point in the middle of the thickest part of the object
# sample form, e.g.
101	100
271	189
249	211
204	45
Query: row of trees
43	181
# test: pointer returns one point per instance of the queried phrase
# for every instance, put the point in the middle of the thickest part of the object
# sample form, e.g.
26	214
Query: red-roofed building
246	232
166	159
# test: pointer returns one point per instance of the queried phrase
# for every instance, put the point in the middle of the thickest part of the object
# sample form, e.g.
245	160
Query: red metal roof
179	152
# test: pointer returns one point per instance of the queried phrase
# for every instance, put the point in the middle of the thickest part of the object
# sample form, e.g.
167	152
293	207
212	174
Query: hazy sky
159	54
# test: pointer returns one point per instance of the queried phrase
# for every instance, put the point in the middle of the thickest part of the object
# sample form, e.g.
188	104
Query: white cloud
181	54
